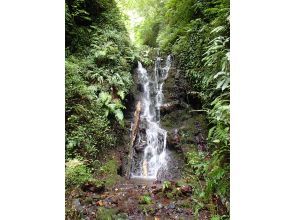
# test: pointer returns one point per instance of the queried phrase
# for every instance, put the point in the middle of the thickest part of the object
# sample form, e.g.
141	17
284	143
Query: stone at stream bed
159	206
186	189
104	213
77	205
171	206
90	187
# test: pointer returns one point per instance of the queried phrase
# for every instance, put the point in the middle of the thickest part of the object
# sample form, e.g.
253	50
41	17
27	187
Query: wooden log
134	132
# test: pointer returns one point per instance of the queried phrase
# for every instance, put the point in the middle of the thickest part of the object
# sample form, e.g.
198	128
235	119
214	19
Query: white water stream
152	137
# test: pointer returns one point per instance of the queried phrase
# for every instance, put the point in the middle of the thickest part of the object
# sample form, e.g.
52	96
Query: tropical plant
98	62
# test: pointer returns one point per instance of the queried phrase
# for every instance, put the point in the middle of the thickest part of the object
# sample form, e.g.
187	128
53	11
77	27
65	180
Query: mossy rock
109	214
184	203
147	209
108	173
174	119
180	183
188	148
185	122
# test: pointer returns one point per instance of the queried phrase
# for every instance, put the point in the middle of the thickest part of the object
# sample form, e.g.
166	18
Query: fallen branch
133	137
198	111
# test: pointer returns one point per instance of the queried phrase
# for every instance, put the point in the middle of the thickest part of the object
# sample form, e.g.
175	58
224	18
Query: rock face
187	128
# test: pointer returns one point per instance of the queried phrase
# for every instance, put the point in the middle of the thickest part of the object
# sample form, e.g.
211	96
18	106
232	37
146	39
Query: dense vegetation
98	64
197	33
99	59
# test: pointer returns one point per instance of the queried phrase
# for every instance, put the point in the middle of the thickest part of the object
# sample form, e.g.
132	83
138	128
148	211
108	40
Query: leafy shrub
145	199
98	62
108	172
166	185
76	173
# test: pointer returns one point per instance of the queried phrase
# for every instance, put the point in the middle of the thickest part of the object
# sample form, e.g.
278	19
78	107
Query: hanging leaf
121	94
226	83
220	83
106	112
119	114
218	74
218	29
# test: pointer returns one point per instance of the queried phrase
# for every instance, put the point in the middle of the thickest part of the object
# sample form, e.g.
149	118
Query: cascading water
151	137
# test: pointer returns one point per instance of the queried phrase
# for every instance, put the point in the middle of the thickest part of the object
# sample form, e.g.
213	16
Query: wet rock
88	200
105	213
204	215
199	138
159	206
173	138
108	200
171	206
77	205
95	196
140	147
156	190
162	174
186	189
157	182
169	107
90	187
140	87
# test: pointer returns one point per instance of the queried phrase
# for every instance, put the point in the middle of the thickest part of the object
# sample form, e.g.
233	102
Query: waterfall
151	137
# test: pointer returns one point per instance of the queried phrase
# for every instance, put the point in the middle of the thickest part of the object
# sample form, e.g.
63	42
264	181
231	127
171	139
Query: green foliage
108	172
111	106
76	173
210	178
145	199
109	214
166	185
110	167
98	62
86	127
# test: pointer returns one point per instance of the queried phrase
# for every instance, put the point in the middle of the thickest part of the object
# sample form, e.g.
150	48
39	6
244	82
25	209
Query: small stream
151	155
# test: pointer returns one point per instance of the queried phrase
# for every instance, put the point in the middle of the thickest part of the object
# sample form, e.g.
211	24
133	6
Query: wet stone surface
135	199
